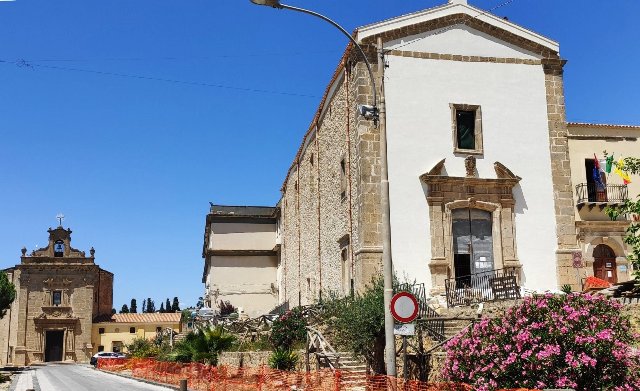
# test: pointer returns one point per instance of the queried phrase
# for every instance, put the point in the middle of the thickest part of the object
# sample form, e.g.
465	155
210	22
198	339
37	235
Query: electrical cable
25	64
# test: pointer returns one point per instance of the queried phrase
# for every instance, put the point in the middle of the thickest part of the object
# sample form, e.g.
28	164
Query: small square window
101	348
101	330
467	128
56	298
132	330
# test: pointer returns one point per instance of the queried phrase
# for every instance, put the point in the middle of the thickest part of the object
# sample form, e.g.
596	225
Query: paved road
69	377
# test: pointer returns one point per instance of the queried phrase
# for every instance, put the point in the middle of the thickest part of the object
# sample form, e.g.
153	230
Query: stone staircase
453	327
353	372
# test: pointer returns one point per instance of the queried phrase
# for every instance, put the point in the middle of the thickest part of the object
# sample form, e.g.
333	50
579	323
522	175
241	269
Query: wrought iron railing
499	284
592	193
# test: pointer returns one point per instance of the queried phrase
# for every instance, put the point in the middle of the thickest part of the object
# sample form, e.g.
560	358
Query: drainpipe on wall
318	207
299	228
351	257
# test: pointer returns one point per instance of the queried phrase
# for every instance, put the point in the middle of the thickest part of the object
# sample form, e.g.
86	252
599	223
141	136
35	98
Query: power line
177	58
25	64
445	29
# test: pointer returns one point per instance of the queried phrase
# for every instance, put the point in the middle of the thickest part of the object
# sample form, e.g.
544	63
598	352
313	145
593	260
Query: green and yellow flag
626	179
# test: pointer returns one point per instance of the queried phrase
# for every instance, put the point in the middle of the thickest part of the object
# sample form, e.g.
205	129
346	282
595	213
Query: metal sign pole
404	358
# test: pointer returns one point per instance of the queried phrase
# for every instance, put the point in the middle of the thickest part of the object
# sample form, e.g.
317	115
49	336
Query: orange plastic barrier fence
202	377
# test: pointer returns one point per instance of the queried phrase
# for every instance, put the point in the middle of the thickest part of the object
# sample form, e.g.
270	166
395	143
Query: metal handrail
592	193
497	284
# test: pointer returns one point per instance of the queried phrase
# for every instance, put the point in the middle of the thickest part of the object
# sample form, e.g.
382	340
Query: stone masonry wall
9	324
561	173
315	215
334	211
368	246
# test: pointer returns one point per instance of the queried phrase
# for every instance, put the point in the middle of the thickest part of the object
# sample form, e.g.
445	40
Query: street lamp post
376	112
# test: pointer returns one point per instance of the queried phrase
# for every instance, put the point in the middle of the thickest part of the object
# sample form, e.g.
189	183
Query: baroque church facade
480	177
60	290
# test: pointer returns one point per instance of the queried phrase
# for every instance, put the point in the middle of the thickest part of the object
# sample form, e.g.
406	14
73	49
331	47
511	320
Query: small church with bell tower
60	290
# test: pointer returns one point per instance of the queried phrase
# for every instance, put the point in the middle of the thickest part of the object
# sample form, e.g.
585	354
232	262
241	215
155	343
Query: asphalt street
70	377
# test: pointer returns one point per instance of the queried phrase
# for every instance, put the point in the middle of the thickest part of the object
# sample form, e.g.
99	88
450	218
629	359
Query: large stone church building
60	290
481	174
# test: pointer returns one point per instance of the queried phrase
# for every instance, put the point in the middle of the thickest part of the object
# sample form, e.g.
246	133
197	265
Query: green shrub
283	359
288	329
141	348
566	288
201	346
552	341
358	323
260	343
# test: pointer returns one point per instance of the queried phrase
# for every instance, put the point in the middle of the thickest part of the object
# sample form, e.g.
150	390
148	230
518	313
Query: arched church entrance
604	264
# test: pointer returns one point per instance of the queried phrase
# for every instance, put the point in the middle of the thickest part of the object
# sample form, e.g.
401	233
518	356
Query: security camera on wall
367	111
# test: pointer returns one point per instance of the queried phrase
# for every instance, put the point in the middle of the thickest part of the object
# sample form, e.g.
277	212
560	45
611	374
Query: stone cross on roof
60	217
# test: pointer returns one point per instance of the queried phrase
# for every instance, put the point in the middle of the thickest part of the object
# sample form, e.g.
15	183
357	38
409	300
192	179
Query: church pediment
58	249
445	188
461	23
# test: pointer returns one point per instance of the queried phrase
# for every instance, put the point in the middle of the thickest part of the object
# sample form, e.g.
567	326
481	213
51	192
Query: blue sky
134	161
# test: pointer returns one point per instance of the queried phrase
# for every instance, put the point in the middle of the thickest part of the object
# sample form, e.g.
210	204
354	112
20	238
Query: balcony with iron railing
592	194
492	285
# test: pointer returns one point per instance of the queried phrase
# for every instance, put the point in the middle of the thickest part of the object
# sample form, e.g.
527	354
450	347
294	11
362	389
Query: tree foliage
151	306
175	305
162	308
630	208
124	309
141	348
133	308
7	293
167	305
358	322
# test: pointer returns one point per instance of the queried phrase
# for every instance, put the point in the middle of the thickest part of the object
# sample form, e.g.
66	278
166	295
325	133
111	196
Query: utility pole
387	263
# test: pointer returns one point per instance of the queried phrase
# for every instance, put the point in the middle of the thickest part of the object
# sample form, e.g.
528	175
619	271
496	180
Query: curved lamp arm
278	5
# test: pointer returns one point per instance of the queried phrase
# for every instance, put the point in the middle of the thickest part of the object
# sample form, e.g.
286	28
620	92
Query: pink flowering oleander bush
552	341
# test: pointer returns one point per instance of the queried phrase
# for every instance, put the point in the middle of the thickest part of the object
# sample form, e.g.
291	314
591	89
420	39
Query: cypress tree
133	308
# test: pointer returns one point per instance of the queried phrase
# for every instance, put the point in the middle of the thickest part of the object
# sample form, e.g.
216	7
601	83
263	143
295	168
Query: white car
105	355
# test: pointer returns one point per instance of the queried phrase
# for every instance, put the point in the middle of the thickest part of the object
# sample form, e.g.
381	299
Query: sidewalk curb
153	383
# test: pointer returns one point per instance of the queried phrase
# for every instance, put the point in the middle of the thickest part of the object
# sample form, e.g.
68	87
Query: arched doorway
604	265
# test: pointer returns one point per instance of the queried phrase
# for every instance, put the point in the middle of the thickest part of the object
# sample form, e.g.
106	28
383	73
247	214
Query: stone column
561	173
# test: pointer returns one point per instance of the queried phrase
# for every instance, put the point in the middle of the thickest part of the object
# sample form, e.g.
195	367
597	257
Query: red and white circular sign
404	307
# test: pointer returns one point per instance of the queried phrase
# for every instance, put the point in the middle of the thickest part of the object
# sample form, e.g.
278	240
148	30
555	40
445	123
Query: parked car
105	355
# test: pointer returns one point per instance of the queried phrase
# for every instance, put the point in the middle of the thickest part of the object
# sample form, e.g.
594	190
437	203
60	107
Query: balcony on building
590	194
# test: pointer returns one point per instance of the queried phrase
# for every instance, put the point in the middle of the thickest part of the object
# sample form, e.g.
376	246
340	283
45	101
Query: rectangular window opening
57	298
465	129
132	330
101	330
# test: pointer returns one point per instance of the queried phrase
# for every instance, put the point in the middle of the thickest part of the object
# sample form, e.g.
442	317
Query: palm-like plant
203	345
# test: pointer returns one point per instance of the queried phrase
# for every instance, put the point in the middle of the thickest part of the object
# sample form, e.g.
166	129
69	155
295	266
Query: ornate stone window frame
494	195
455	107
